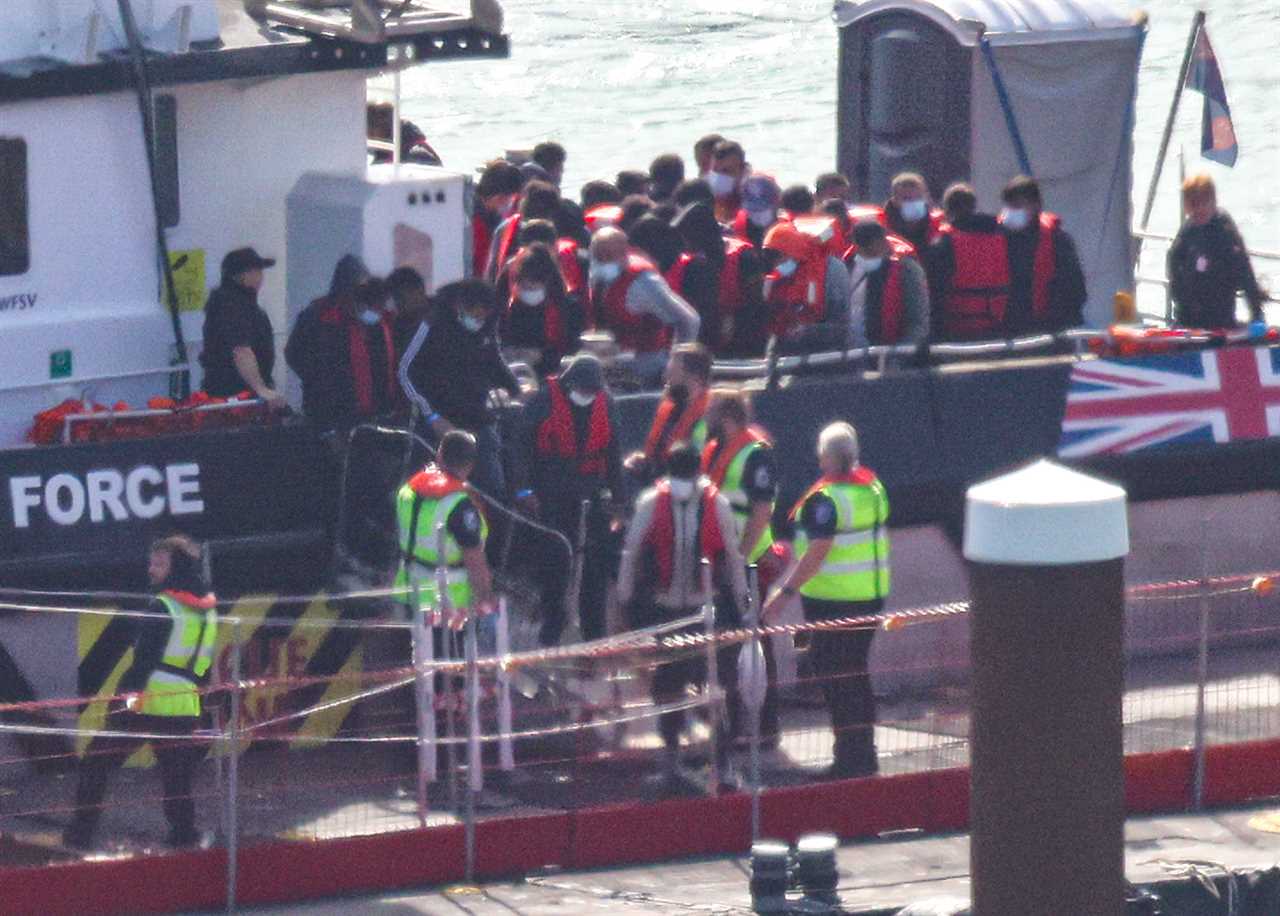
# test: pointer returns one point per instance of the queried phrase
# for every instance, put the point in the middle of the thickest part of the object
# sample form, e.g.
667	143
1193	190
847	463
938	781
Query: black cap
584	373
244	259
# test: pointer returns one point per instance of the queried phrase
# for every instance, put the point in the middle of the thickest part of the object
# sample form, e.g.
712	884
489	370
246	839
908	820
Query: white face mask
582	398
913	210
605	272
722	185
681	489
532	295
370	316
762	218
1015	219
868	265
786	268
470	322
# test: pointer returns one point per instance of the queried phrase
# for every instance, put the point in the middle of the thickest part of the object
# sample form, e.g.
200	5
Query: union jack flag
1117	406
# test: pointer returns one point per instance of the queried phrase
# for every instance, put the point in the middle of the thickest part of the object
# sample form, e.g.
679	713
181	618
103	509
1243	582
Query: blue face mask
470	322
913	210
370	316
1015	219
786	268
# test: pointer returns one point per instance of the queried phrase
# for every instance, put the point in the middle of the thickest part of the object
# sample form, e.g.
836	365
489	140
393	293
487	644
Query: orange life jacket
716	461
689	418
558	438
661	535
602	215
640	333
731	275
506	243
570	267
801	298
434	482
826	229
1042	265
979	295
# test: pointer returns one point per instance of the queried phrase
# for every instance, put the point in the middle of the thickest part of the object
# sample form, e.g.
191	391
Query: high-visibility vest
725	471
173	688
857	567
422	505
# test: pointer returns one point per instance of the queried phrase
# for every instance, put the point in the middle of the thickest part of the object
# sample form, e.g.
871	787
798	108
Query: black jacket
449	370
233	318
1067	293
553	479
1206	266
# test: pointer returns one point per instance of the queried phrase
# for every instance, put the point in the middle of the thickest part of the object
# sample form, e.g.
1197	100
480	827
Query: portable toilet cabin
982	90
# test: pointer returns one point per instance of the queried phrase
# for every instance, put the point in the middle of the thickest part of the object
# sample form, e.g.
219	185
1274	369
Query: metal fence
416	726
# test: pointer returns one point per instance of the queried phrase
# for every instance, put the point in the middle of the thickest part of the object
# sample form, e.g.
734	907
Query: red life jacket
731	275
641	333
554	332
801	298
435	483
481	237
557	436
506	243
979	296
570	267
662	532
826	229
859	212
1043	264
362	380
897	246
675	276
889	330
741	226
716	461
683	429
602	215
203	602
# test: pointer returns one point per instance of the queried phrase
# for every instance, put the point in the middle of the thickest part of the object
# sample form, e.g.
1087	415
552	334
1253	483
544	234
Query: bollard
1045	548
770	876
816	872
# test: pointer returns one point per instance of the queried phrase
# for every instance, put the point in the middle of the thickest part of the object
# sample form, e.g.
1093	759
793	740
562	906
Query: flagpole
1197	22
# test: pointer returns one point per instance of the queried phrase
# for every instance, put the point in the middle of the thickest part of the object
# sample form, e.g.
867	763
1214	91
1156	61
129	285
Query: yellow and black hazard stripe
279	641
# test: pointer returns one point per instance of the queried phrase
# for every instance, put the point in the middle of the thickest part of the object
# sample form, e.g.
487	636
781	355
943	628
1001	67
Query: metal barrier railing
1141	279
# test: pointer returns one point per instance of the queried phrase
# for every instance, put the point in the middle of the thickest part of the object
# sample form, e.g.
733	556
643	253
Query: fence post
424	692
233	772
753	684
475	762
506	748
1202	678
445	613
713	678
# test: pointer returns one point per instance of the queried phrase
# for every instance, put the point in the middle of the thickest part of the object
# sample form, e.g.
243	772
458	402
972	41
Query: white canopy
1022	21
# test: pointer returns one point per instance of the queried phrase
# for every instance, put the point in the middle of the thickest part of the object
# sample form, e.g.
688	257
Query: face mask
470	322
532	295
681	490
868	265
722	185
582	398
678	392
762	218
604	273
913	210
786	268
370	316
1015	219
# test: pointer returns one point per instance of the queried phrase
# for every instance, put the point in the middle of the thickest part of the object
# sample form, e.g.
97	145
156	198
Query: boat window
15	249
166	127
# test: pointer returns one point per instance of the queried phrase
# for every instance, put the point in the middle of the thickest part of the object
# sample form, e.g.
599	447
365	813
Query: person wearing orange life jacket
538	200
1046	283
629	298
889	295
497	193
173	656
681	412
738	459
806	285
601	204
678	522
907	214
569	441
542	319
761	197
968	269
437	497
841	571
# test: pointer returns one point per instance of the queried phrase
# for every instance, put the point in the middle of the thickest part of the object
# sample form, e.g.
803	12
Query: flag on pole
1217	134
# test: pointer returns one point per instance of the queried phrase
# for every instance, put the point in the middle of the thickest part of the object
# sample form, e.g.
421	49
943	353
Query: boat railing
111	418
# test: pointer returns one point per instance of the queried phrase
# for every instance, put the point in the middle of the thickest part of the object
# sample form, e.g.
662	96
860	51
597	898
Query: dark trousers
670	680
555	568
839	661
177	760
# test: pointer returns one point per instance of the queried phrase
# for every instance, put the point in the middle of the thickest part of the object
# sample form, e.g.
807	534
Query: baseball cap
760	192
242	259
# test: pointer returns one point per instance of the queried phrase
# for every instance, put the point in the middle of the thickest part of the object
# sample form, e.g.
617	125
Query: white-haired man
841	570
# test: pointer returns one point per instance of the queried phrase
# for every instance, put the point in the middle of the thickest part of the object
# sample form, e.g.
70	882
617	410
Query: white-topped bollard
1045	548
